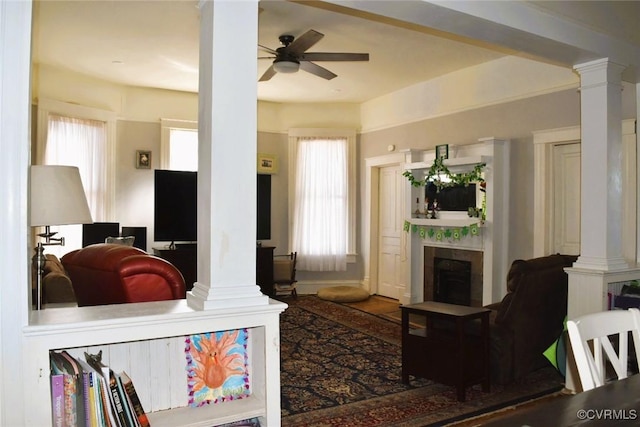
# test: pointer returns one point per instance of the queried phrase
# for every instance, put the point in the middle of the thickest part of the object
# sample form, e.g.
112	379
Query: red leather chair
114	274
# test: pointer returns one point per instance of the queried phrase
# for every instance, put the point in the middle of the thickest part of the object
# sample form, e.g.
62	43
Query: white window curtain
179	145
82	143
183	149
320	214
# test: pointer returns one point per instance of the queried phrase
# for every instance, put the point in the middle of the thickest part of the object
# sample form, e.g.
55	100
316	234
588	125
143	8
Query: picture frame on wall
442	151
143	159
267	163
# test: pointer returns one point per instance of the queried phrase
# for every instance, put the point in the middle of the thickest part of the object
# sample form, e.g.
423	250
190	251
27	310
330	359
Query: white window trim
350	135
165	135
51	106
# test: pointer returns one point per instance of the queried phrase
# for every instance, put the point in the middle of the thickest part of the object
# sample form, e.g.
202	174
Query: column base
204	297
601	264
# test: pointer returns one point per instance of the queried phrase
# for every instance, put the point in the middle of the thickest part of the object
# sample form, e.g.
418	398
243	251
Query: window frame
165	137
350	135
50	106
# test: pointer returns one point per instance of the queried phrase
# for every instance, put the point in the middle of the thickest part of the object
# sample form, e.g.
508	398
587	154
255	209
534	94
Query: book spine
116	401
57	400
75	370
107	399
128	410
105	405
86	390
135	402
93	400
70	400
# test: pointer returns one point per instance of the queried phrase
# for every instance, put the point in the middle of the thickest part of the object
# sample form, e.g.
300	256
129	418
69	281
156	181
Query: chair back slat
590	336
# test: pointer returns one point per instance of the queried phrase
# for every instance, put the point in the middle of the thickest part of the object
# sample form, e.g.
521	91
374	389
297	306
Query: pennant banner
443	233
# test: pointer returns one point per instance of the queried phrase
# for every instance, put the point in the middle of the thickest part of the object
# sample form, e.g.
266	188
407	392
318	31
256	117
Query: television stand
184	257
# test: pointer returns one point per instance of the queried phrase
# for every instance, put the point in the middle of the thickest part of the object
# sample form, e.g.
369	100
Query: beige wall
513	120
138	127
134	187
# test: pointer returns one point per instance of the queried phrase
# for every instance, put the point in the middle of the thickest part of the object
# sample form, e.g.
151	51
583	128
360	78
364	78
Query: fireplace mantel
447	221
492	240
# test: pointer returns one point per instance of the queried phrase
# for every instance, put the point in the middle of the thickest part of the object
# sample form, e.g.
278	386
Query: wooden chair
592	333
284	274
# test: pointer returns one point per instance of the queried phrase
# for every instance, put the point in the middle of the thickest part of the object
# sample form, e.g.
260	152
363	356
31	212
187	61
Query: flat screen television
456	198
97	232
263	208
175	206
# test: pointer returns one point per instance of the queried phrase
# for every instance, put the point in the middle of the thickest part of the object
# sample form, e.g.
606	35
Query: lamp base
38	262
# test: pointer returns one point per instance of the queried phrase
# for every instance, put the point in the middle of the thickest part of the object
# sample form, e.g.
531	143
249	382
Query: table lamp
57	198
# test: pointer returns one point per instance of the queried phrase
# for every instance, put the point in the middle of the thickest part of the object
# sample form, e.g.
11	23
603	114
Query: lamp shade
57	196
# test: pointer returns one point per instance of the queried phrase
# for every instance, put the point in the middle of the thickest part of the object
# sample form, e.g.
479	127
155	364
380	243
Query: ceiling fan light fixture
286	67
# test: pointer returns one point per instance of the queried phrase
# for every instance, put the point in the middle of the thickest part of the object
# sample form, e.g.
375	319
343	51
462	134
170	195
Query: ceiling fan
292	56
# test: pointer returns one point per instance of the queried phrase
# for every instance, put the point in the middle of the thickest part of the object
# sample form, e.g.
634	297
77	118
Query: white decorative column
601	182
601	176
227	132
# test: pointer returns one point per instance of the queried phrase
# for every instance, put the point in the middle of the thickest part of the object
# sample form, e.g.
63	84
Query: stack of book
87	393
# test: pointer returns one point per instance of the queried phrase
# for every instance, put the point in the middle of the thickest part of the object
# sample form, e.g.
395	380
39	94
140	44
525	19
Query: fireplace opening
452	281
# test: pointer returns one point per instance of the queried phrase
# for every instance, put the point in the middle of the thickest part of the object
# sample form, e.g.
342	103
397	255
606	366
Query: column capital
599	71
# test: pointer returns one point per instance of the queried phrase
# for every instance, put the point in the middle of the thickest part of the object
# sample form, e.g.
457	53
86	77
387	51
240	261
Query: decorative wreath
438	170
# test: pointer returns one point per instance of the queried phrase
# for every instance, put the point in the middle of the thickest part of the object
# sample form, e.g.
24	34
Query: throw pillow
123	240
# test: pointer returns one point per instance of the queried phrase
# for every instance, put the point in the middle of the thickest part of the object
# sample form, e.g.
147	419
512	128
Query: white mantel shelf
447	222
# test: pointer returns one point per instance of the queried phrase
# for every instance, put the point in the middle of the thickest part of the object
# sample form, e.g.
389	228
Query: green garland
439	169
443	233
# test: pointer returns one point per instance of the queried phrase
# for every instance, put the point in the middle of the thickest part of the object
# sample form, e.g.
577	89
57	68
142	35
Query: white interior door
566	199
391	280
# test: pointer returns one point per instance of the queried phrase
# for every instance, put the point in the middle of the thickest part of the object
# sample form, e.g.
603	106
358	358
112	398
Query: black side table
452	349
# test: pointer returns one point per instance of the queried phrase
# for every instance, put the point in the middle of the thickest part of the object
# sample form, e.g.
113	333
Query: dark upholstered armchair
112	274
530	317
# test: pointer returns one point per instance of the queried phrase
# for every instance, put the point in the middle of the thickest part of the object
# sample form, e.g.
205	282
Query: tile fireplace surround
474	257
487	251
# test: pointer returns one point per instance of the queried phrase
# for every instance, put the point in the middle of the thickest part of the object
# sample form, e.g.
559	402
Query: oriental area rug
342	367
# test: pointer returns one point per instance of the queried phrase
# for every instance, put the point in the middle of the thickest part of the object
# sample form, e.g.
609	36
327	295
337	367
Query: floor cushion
343	294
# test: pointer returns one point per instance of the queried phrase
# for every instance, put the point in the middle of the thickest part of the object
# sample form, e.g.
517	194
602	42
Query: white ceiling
155	44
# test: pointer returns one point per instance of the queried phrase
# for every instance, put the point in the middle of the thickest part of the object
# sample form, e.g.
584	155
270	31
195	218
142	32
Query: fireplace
453	276
452	281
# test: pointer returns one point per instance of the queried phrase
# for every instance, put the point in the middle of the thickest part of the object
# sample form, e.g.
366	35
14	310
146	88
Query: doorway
390	222
566	199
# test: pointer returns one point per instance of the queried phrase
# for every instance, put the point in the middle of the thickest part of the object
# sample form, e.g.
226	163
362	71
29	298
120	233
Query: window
179	145
82	137
322	197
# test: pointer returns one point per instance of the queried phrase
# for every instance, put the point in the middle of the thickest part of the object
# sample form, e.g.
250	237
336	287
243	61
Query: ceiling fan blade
329	56
268	74
319	71
267	49
304	42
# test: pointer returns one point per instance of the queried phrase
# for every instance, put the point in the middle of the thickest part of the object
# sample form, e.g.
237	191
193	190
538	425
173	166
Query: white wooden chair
591	334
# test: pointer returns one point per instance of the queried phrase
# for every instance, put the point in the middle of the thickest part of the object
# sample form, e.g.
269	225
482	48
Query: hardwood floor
376	304
505	412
